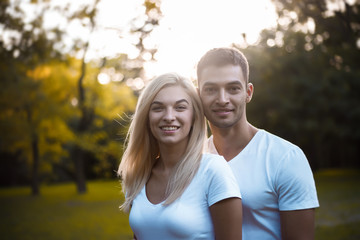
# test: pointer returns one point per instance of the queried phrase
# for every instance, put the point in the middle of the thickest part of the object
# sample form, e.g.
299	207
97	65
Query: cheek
188	120
206	100
152	122
192	119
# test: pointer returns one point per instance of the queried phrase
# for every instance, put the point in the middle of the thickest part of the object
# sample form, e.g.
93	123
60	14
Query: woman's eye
181	107
156	109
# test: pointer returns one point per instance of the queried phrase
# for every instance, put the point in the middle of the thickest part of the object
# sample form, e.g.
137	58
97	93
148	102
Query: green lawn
60	213
338	217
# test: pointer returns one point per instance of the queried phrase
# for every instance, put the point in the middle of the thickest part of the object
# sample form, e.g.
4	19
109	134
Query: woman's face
171	116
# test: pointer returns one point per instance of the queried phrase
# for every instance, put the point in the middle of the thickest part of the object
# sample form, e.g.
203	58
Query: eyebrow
177	102
229	83
235	82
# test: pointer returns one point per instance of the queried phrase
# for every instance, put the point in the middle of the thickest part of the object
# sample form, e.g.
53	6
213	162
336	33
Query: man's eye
209	90
234	89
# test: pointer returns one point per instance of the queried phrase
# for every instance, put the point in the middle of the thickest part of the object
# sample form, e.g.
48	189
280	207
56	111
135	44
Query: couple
175	191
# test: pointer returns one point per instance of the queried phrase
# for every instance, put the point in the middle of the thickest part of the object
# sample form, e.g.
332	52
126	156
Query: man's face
224	94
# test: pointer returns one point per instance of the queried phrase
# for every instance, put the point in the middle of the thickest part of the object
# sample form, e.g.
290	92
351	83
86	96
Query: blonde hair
142	148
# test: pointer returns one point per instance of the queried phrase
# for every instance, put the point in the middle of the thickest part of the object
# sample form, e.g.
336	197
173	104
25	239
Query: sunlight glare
103	78
190	28
186	30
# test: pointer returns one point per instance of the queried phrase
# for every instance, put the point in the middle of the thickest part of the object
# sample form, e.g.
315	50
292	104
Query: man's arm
298	225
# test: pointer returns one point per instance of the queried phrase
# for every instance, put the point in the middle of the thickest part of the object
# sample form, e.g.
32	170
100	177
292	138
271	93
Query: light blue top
189	216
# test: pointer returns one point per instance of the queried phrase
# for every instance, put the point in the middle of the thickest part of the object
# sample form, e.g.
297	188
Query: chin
222	124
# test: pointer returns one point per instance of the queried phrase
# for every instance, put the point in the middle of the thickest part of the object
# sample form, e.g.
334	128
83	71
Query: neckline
148	201
253	139
214	150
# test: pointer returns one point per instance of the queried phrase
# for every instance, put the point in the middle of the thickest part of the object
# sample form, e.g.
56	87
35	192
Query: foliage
52	105
53	108
307	80
34	109
106	102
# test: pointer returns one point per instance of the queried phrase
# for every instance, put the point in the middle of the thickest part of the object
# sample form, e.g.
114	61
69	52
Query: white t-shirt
189	216
273	175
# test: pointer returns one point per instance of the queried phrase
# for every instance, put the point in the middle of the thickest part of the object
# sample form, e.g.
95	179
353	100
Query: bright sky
187	29
190	28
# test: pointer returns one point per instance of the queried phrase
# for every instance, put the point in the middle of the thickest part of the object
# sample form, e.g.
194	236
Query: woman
175	191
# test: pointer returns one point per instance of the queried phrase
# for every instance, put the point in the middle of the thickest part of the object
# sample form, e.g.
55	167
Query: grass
339	214
60	213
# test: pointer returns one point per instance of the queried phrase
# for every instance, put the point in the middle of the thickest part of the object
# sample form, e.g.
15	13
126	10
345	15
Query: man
274	176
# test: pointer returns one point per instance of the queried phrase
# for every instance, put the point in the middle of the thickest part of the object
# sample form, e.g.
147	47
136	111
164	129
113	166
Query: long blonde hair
142	148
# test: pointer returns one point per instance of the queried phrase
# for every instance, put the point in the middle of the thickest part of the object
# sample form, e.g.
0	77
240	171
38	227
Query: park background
66	100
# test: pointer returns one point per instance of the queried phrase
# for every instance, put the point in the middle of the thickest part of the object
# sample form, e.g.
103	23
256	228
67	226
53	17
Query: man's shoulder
208	157
278	147
271	138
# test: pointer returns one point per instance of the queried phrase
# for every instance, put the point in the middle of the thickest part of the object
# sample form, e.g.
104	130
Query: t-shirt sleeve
221	181
295	183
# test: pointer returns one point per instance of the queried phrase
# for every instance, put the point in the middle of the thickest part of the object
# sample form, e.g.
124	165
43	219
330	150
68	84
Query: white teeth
169	128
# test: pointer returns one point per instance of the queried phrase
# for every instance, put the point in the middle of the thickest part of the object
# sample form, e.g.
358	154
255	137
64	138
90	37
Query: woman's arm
227	219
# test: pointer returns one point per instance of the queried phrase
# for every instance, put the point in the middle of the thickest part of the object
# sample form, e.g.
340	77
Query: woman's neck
170	155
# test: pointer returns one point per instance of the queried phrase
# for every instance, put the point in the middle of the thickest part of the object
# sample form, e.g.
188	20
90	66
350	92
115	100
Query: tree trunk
84	123
35	190
80	170
86	116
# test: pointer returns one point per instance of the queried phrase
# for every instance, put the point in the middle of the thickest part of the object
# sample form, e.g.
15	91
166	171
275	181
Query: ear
249	92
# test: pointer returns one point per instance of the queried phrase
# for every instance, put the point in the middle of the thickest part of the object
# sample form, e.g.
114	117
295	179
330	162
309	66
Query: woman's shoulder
211	162
212	157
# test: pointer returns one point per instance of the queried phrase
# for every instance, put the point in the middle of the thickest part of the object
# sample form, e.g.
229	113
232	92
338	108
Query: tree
33	116
24	49
152	10
86	113
306	75
43	118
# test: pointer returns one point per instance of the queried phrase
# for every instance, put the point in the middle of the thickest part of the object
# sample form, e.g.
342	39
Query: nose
223	98
169	115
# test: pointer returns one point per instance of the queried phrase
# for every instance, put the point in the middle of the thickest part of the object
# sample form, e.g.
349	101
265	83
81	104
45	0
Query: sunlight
190	28
103	78
186	31
108	75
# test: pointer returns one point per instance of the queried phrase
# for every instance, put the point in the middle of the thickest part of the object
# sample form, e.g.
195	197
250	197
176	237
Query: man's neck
229	142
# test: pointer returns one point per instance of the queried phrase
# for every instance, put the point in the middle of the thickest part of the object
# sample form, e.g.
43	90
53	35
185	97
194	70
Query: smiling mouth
169	128
222	110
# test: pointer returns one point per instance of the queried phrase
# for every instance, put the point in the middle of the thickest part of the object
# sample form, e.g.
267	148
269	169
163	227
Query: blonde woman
172	189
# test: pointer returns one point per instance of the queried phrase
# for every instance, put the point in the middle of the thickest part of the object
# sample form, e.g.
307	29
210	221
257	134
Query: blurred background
71	72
